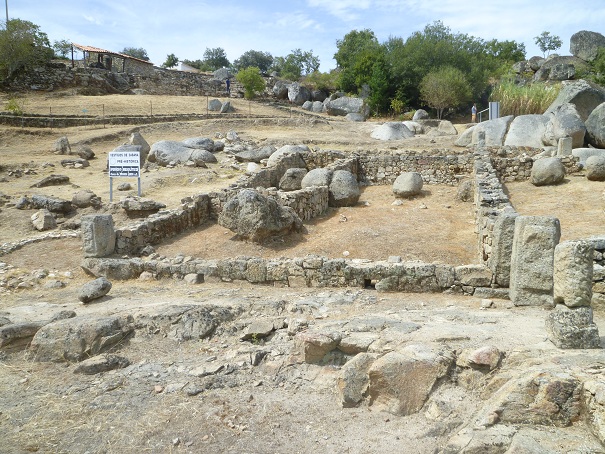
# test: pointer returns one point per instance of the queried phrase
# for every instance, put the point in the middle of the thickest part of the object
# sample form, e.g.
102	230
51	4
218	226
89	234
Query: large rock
346	105
215	105
595	168
200	143
52	204
560	68
311	347
354	381
585	44
62	146
408	184
137	139
93	290
584	153
420	114
401	381
256	217
595	126
166	152
255	154
392	131
583	94
292	179
317	177
343	189
98	235
298	94
572	328
573	269
532	260
86	198
494	132
79	338
287	149
547	171
564	121
280	89
526	131
43	220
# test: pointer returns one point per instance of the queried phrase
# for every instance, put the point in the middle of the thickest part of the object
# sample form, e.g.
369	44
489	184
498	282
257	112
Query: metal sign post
124	164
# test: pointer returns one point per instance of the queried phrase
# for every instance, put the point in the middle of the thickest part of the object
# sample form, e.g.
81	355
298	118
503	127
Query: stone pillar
570	324
532	260
98	235
564	146
502	247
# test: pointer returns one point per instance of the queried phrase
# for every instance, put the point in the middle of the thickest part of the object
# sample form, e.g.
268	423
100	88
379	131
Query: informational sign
124	164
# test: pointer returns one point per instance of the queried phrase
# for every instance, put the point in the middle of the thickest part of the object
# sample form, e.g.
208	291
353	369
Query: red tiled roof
98	50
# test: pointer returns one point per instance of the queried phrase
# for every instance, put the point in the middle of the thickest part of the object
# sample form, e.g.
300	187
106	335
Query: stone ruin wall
494	217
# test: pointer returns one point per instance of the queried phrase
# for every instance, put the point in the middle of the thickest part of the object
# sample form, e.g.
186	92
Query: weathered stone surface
560	67
62	146
214	105
495	131
43	220
194	278
595	168
317	177
401	381
51	180
594	401
81	337
288	150
584	153
493	440
200	143
573	269
473	275
311	347
391	131
101	363
280	89
502	247
17	335
353	381
98	235
345	105
343	189
52	204
408	184
140	205
111	268
526	131
547	171
292	179
564	121
488	356
420	114
532	260
94	289
226	107
258	329
138	140
86	198
585	44
255	154
572	327
356	343
581	93
298	94
595	126
256	217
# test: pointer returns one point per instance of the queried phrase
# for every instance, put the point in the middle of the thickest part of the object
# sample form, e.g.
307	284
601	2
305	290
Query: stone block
532	260
98	235
573	271
572	328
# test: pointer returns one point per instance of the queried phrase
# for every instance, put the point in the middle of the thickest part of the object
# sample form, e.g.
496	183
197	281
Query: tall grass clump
526	99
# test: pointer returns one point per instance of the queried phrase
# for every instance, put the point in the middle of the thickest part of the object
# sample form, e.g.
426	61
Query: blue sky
187	27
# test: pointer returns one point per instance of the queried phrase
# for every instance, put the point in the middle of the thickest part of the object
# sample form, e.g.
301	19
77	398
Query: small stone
158	389
486	304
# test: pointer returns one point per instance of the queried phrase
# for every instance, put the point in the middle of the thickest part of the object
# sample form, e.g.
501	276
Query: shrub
14	107
251	80
527	99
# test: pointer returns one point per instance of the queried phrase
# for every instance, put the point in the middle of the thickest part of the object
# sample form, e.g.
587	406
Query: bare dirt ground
156	405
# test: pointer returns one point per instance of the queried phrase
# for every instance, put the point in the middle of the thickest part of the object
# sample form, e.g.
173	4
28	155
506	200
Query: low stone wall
309	271
384	169
598	277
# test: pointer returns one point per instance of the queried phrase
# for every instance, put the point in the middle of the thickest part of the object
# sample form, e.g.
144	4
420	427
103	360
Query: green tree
445	87
216	58
379	87
22	46
262	60
171	61
547	43
251	80
61	48
136	52
296	64
355	57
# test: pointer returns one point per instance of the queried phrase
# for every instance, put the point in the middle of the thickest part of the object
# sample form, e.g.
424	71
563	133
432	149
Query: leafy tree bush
445	87
262	60
216	58
61	48
136	52
22	46
251	80
296	64
317	80
547	42
171	61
